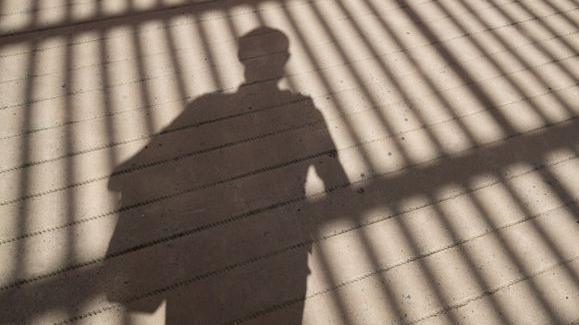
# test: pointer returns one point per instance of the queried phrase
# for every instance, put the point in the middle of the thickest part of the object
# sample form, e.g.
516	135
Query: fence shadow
216	216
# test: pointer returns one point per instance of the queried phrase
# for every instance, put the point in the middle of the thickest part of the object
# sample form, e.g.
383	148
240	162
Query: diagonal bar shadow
418	180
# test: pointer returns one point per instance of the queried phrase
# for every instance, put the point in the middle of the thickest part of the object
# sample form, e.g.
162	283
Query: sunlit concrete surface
289	162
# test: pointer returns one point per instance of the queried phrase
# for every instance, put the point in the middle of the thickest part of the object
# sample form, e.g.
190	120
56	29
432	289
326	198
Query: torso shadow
207	222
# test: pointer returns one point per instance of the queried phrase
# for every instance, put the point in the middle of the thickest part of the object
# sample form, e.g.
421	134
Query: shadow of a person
203	224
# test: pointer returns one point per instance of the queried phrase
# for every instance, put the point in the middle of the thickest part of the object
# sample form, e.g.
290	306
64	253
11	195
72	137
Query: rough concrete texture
289	162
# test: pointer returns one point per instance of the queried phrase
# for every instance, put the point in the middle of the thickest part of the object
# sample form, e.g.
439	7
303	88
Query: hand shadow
204	223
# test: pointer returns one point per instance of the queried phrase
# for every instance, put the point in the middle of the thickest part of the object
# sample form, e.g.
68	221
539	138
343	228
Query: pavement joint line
144	137
189	97
256	212
165	197
178	9
345	63
343	284
193	154
489	292
179	49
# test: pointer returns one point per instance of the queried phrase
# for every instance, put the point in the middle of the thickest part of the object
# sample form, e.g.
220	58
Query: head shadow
264	53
